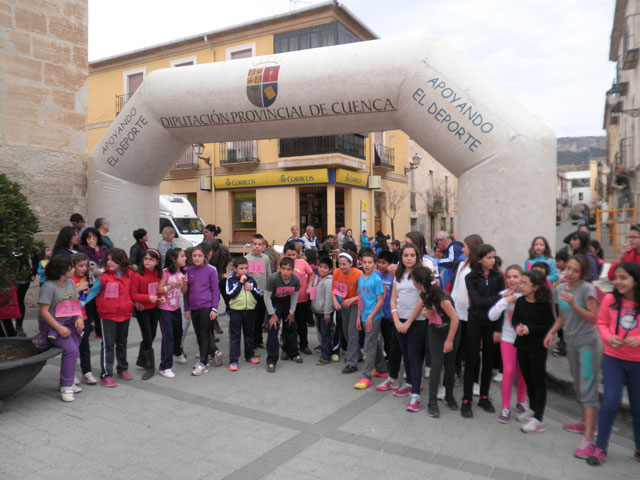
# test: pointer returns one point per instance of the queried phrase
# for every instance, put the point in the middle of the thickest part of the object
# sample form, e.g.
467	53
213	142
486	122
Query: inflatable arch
504	156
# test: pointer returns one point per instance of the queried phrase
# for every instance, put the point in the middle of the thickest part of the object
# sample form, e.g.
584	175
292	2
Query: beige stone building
622	111
43	105
432	195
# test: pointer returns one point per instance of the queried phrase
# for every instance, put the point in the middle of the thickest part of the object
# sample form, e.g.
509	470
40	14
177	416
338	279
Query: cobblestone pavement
303	422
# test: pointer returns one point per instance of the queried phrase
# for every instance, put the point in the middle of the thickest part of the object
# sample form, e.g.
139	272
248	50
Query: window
241	51
325	35
184	62
132	80
451	226
244	210
580	196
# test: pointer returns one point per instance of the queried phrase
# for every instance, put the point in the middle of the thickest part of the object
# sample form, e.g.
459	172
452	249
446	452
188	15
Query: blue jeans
325	335
412	347
168	318
615	371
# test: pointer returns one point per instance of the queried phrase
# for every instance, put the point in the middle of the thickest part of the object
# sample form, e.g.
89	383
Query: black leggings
477	334
437	337
534	371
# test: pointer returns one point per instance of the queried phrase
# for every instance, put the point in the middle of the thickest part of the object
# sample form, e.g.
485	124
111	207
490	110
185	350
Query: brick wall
43	105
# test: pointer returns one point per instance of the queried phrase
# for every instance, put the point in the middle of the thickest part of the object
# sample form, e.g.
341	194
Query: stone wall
43	105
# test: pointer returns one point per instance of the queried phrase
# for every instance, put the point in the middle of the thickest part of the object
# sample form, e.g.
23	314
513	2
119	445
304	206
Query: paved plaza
303	422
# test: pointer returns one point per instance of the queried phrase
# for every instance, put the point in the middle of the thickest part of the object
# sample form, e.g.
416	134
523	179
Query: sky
551	55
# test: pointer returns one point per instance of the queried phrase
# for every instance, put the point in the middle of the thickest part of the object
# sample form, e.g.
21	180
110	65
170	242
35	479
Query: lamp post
198	149
413	163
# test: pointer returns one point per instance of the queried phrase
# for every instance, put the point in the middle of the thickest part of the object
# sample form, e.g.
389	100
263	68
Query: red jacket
631	256
114	302
140	288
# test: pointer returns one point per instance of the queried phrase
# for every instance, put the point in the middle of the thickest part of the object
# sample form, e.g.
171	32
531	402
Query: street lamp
198	149
614	97
413	164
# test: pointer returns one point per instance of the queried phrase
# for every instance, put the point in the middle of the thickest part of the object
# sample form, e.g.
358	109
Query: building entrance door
313	210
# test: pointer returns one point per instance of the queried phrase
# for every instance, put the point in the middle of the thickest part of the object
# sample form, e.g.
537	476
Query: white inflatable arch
504	156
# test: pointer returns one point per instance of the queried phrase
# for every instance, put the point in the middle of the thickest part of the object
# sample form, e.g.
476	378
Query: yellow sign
348	177
272	179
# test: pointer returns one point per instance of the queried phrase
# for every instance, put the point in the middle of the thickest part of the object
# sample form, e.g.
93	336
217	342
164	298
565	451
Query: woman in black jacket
139	249
484	285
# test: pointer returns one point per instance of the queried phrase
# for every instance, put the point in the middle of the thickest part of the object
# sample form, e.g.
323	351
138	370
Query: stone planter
16	374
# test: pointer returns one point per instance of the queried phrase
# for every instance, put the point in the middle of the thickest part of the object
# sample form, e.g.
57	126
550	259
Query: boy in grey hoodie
322	306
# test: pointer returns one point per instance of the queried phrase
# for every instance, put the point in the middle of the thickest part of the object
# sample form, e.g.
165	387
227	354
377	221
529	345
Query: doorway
313	210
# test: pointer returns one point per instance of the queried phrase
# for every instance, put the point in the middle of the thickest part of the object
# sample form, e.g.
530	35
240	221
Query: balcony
631	42
121	100
435	203
626	152
239	153
187	160
350	144
384	157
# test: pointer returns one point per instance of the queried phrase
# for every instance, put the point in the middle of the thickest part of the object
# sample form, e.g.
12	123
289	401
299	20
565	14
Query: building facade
266	186
622	107
43	106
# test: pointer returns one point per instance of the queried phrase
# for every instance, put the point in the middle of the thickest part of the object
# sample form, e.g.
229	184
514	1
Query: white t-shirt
459	292
407	297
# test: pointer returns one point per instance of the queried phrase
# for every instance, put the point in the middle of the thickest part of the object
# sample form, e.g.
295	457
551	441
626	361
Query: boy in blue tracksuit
244	295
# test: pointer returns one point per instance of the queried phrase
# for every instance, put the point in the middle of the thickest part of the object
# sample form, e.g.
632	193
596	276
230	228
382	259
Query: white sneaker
76	381
89	379
74	389
168	373
533	426
497	378
525	416
200	369
66	394
180	358
217	359
441	392
427	372
476	389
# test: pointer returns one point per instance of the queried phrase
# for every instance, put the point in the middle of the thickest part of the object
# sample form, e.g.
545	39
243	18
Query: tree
392	205
18	226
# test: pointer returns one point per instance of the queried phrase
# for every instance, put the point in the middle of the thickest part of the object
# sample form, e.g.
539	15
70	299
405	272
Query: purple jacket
99	257
203	289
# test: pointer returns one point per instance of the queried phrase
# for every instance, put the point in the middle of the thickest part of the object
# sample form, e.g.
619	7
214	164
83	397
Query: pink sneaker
125	375
108	382
362	384
414	403
585	450
402	392
375	373
597	458
574	427
388	385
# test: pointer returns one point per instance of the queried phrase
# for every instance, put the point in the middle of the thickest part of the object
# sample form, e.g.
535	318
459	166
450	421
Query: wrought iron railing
121	100
350	144
385	157
241	152
187	160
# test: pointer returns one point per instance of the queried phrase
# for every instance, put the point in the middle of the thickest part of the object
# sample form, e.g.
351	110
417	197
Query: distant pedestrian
540	251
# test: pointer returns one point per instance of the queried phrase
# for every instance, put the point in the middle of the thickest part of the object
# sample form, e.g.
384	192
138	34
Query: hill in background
579	150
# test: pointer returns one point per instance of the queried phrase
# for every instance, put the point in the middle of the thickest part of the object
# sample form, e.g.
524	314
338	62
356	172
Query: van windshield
189	226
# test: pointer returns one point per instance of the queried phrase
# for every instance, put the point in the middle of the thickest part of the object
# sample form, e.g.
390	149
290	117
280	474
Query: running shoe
505	416
254	360
402	392
200	369
525	416
414	403
389	384
585	450
533	426
168	373
575	427
597	458
362	384
375	373
233	367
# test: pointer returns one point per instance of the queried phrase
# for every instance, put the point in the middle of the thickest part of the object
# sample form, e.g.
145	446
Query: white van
177	212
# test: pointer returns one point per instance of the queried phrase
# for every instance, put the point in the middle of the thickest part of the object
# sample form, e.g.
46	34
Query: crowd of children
377	311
